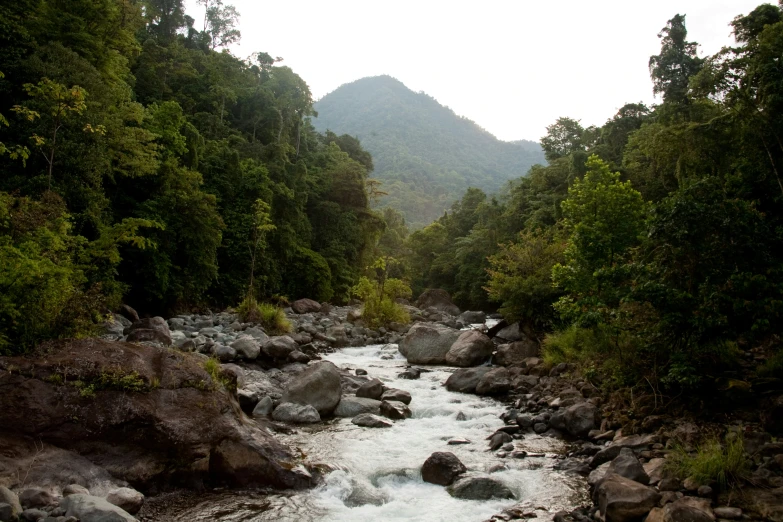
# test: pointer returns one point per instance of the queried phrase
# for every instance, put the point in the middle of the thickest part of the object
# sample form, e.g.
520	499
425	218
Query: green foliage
217	375
270	316
379	295
713	462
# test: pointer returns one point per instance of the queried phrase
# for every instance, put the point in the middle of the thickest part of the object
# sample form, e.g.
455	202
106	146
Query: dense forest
141	161
425	155
650	249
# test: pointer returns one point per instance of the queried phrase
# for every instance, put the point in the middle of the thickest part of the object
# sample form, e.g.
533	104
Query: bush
271	317
713	462
379	308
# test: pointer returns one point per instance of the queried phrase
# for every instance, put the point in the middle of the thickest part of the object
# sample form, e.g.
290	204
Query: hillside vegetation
425	155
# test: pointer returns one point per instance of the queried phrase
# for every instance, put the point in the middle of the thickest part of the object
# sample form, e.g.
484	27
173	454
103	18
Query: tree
220	22
672	69
563	137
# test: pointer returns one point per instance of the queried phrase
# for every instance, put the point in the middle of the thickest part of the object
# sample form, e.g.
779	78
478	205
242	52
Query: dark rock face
147	415
515	353
479	488
470	349
473	317
319	386
465	381
393	394
154	329
627	465
494	382
623	500
372	389
442	467
395	410
428	343
438	299
353	406
305	306
580	419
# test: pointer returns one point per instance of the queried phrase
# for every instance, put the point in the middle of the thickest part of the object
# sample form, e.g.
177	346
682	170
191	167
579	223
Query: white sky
512	66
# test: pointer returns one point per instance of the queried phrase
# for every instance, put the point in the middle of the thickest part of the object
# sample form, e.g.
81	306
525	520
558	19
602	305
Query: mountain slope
426	155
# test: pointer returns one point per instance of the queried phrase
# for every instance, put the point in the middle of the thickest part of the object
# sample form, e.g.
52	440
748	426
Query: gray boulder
395	410
465	381
264	407
442	468
580	419
494	382
299	413
36	498
154	329
280	347
224	353
438	299
306	306
393	394
372	389
126	498
318	386
298	357
514	354
623	500
470	349
353	406
688	509
247	347
473	317
75	489
368	420
94	509
627	465
427	343
9	497
479	488
512	333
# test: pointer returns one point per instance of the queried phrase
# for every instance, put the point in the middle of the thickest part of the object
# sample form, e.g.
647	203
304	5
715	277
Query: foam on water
378	470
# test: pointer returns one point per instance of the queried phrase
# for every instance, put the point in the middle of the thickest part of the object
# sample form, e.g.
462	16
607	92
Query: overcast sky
512	66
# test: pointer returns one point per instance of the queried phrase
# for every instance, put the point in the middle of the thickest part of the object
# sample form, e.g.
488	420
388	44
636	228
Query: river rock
299	413
438	299
728	513
473	317
298	357
688	509
442	468
264	407
514	354
306	306
395	410
497	439
36	498
94	509
75	489
470	349
623	500
372	389
627	465
368	420
247	347
466	380
318	386
428	343
33	515
154	329
494	382
9	497
393	394
353	406
580	419
479	488
126	498
279	347
224	353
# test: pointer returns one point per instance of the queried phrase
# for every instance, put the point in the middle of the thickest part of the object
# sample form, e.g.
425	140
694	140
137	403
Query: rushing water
376	471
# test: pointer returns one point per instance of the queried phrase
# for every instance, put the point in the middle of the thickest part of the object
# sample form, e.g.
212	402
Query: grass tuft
713	462
271	317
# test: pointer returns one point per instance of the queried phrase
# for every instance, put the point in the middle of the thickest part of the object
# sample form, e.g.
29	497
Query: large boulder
94	509
145	414
9	497
394	394
627	465
126	498
306	306
353	406
470	349
247	347
298	413
372	389
479	488
512	332
438	299
494	382
473	317
428	343
466	380
580	419
395	410
319	386
442	467
280	347
623	500
151	329
514	354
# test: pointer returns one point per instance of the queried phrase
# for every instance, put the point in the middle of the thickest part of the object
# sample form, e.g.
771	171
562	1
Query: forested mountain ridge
425	155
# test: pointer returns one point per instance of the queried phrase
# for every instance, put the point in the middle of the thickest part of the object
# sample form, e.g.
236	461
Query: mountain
425	155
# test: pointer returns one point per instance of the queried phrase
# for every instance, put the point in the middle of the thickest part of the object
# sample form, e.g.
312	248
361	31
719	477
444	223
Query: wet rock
279	347
438	299
443	468
497	439
359	371
264	407
372	389
627	465
298	413
306	306
353	406
470	317
580	419
94	509
393	394
479	488
126	498
318	386
247	348
410	373
368	420
36	498
623	500
427	343
494	382
395	410
466	380
470	349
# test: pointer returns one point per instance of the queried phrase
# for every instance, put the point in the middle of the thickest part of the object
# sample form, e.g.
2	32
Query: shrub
723	464
271	317
378	297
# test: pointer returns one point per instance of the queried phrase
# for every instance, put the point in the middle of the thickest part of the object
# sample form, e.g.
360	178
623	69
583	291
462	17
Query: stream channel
376	471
